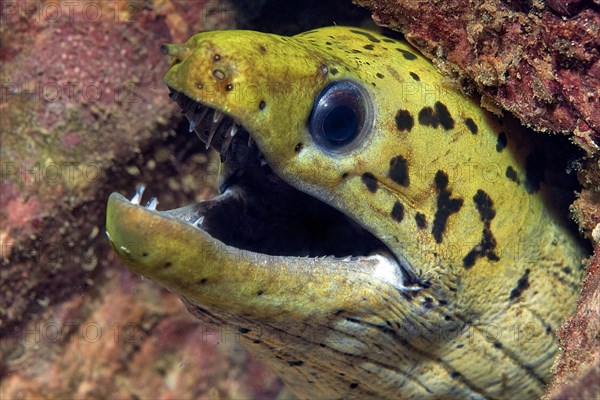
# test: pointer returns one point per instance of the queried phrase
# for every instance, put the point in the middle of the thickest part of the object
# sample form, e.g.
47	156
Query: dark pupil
340	124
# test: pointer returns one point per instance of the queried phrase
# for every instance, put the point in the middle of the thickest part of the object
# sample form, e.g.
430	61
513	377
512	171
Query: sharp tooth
199	221
228	139
250	141
214	127
152	204
139	191
233	130
263	162
217	116
192	126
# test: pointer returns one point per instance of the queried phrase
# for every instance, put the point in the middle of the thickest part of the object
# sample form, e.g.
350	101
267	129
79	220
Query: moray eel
376	233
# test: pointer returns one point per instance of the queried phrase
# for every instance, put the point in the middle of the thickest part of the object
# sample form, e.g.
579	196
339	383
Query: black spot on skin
168	264
366	34
356	51
370	181
407	54
397	212
262	48
380	75
502	141
535	164
353	385
295	363
455	374
333	71
203	281
446	206
471	125
244	330
512	174
404	120
322	345
436	116
368	47
421	220
443	115
415	76
399	171
487	244
566	270
262	105
260	293
144	254
427	117
328	43
257	341
522	284
498	345
484	205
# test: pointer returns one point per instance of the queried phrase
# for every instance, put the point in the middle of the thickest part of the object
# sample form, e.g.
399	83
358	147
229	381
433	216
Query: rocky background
83	112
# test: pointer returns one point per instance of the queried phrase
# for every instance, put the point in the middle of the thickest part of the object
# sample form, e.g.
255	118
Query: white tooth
233	130
263	162
199	221
139	191
214	127
152	204
192	125
217	116
250	141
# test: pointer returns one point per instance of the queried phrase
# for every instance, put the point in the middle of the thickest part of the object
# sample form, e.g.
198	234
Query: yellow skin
480	322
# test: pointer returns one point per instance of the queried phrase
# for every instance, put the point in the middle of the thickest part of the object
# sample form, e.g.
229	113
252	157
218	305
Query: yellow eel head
363	243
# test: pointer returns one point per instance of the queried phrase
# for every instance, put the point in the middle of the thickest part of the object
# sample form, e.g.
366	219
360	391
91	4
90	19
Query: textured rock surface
578	368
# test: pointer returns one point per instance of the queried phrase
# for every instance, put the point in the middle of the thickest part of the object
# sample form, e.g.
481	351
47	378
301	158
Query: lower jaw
210	274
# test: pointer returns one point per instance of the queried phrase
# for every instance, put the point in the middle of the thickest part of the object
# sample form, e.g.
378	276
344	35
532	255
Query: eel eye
341	114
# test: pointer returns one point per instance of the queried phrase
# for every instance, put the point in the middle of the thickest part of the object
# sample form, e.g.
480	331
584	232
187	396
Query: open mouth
256	210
